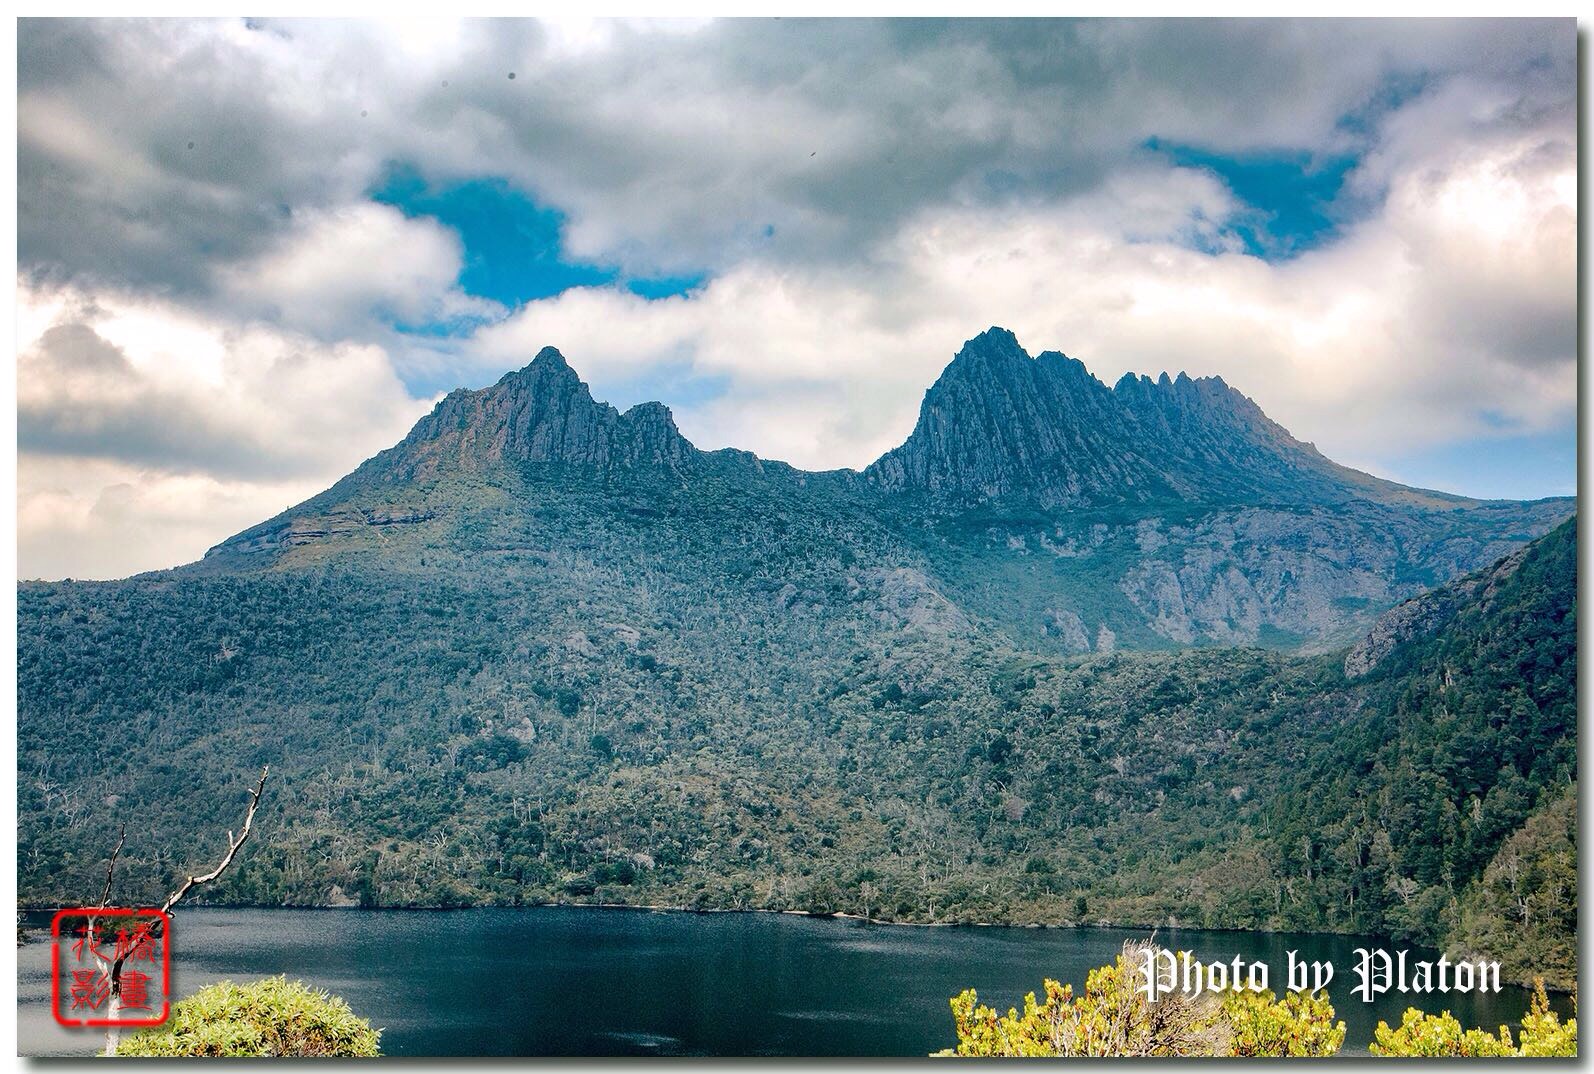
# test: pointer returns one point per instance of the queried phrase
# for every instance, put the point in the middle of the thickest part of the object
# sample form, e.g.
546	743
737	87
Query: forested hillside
436	746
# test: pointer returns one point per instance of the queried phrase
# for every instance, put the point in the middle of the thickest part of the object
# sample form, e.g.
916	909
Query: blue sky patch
514	247
665	286
1396	90
1507	467
1290	197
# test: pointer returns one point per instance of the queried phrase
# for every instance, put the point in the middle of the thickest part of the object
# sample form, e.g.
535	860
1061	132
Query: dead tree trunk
112	965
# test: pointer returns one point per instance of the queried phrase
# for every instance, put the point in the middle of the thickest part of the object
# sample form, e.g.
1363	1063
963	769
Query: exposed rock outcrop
1030	497
999	424
542	413
1424	616
904	597
293	531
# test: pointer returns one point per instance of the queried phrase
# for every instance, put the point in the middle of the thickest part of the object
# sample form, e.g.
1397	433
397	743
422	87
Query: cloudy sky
252	253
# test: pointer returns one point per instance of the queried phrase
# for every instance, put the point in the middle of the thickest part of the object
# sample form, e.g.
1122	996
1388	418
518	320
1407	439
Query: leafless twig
233	843
110	869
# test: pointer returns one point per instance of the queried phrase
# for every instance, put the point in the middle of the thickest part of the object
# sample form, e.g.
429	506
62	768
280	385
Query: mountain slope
543	650
1468	734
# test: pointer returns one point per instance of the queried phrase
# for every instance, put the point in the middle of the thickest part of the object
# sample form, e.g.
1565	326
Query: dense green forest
445	734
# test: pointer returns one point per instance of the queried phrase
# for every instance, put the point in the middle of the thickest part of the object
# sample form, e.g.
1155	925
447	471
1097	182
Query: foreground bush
1300	1024
1113	1018
273	1017
1428	1035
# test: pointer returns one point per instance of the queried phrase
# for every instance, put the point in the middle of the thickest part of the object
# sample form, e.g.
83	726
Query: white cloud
922	181
127	404
99	519
338	270
1448	315
675	145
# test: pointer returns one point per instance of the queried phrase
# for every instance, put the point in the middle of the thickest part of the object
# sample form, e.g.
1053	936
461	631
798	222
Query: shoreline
820	914
661	908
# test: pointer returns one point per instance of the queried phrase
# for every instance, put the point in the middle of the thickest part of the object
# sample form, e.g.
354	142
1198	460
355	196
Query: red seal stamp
111	967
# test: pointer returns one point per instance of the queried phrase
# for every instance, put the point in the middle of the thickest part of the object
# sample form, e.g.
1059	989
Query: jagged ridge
1000	424
542	413
996	425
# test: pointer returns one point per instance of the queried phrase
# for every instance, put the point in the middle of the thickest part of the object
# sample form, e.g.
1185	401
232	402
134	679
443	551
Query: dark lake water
580	981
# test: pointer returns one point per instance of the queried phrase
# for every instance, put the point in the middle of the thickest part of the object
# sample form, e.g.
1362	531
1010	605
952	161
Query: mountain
1071	653
1031	498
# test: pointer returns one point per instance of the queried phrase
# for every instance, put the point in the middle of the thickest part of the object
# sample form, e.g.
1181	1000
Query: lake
577	981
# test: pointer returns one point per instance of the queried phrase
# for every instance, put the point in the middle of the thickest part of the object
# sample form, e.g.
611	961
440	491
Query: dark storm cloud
151	152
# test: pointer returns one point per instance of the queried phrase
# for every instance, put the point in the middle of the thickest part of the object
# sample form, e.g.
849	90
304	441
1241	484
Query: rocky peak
999	424
1193	404
995	345
648	437
540	413
1217	443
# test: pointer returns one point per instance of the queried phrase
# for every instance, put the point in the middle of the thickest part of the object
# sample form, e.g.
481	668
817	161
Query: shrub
273	1017
1428	1035
1111	1018
1114	1018
1543	1034
1300	1024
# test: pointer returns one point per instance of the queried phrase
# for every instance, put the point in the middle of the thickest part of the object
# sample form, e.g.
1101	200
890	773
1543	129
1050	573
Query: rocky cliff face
1216	444
999	424
1426	615
542	413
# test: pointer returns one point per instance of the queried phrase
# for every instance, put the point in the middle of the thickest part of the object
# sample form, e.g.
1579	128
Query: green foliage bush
272	1017
1300	1024
1114	1018
1437	1035
1440	1035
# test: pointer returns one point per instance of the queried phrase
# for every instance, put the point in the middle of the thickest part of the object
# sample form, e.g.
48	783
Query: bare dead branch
110	869
233	843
